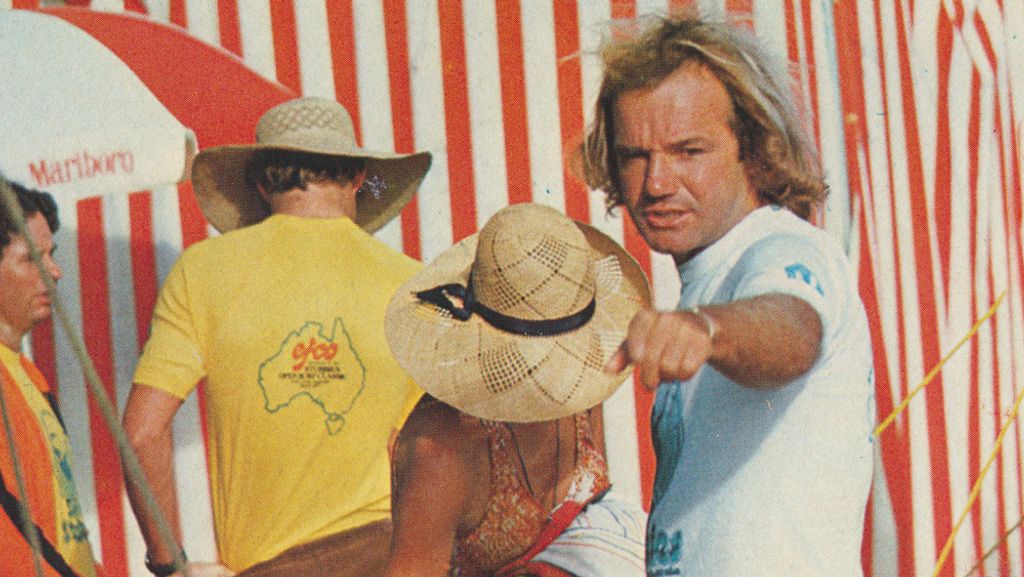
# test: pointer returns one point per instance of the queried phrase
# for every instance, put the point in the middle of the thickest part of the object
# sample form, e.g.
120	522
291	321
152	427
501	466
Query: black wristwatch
163	569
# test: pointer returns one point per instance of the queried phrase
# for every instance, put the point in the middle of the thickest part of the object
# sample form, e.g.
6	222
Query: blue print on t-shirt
803	273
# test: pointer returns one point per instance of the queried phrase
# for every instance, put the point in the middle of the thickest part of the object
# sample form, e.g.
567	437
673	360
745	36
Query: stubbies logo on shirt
312	365
664	550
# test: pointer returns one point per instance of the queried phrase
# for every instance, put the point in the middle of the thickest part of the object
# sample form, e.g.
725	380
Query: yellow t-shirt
285	320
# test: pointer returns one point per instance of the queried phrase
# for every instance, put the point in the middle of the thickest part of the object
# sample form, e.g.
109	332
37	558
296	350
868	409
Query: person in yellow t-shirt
40	470
283	317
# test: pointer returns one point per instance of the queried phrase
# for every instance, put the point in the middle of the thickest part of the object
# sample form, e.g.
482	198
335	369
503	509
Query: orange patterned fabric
513	519
45	469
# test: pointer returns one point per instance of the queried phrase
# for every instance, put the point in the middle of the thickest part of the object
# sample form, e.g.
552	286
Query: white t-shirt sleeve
794	265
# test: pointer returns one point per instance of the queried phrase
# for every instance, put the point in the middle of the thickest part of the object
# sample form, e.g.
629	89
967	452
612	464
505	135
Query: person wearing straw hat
39	470
763	417
282	315
500	468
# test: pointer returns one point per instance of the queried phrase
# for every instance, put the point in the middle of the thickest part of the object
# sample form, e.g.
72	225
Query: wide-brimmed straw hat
516	322
312	125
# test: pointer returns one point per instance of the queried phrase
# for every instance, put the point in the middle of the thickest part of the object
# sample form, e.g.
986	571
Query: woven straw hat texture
532	263
313	125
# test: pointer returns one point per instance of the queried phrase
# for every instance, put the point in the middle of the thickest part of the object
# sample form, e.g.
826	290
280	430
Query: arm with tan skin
760	342
148	420
434	480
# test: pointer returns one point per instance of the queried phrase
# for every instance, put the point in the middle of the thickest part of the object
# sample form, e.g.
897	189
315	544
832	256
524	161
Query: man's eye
627	157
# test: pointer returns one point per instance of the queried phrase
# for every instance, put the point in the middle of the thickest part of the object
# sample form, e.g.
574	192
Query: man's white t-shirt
767	482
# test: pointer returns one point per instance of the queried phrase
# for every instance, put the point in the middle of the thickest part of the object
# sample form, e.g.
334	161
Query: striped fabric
916	106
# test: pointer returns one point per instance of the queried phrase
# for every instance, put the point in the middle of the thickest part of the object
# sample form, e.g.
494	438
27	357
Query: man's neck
318	200
10	338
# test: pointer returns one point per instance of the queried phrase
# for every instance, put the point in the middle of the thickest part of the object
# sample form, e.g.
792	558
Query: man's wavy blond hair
780	160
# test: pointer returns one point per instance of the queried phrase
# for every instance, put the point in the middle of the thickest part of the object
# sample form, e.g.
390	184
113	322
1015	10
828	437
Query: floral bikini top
513	518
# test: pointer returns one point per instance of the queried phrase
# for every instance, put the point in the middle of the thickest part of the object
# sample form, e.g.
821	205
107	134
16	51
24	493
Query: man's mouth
665	217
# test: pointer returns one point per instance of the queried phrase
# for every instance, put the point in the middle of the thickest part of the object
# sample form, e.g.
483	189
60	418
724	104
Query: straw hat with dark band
312	125
517	322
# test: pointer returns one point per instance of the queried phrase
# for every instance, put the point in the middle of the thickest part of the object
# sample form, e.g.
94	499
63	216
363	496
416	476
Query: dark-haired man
283	316
42	449
763	415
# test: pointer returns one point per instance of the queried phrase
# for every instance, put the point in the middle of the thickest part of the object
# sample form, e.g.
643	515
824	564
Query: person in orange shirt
41	472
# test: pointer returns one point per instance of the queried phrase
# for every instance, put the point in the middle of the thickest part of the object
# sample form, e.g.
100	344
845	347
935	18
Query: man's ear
263	193
357	180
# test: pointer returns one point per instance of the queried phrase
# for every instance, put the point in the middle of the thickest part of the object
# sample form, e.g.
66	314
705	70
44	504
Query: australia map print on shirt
314	366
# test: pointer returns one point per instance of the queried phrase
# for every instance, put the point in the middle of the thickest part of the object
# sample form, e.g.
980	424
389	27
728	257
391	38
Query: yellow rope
935	371
977	485
993	548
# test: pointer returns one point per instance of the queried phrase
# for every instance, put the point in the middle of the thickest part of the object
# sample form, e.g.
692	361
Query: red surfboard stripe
931	349
975	432
143	256
96	330
570	105
812	67
396	36
974	457
978	300
461	180
792	48
623	9
286	44
737	7
44	353
342	32
193	223
944	154
513	100
230	29
177	13
643	398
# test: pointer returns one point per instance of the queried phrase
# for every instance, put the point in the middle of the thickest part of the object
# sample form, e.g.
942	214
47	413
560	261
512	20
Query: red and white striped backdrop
915	105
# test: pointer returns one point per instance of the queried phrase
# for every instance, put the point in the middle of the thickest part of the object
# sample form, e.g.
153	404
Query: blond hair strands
780	157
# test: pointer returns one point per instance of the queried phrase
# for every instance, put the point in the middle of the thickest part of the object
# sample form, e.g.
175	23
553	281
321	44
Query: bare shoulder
438	447
437	435
433	419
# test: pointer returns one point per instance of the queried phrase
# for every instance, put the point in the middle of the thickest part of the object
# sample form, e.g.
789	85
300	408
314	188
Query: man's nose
53	268
659	177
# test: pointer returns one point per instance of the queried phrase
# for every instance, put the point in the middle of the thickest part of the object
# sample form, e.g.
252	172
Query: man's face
23	297
678	162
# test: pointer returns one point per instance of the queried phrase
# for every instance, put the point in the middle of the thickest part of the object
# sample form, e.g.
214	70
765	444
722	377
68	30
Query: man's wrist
709	323
165	569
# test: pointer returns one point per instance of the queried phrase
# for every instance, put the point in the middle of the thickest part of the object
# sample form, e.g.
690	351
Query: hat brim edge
453	264
218	181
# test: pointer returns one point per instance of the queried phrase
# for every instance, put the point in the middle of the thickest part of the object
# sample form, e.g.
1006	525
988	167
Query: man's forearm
762	342
148	422
157	463
766	341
